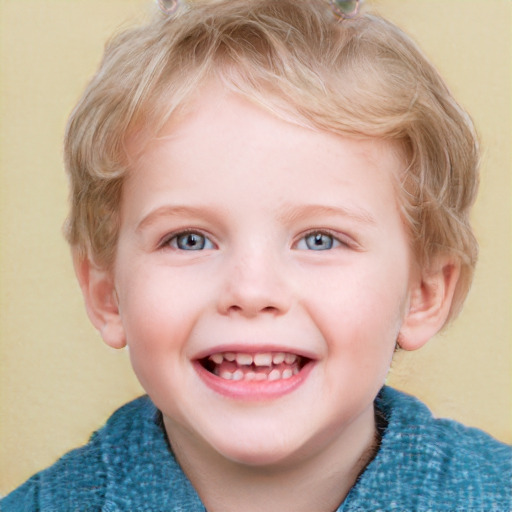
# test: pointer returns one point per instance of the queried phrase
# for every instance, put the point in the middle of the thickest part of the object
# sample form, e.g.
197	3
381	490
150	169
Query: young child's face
243	236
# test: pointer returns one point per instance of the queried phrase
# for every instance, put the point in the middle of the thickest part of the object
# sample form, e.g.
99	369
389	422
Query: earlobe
431	297
100	301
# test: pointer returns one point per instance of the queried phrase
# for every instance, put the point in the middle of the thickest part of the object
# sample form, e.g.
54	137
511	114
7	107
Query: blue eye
318	241
190	241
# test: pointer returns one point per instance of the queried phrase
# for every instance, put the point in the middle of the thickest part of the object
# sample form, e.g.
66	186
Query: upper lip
249	348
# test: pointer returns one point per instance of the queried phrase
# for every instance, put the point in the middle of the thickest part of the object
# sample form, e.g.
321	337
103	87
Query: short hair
359	78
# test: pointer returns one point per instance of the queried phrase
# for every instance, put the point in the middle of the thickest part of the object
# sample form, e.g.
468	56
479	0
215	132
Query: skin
256	190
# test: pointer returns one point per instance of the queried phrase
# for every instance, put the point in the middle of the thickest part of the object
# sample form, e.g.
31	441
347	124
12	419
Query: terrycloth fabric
423	464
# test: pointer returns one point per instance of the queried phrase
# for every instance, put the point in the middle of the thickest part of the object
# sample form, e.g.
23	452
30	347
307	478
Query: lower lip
253	390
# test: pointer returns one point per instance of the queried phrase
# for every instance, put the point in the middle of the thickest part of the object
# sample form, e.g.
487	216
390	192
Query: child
267	199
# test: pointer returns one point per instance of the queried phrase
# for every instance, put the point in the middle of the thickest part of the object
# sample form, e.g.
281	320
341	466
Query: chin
256	452
260	459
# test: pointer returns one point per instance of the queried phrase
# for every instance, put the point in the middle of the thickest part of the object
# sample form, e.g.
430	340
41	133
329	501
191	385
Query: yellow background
58	382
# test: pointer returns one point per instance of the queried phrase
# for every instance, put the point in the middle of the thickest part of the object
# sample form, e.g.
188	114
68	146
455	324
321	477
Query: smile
260	366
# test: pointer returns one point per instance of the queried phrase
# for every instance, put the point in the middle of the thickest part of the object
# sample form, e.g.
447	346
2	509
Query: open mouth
259	366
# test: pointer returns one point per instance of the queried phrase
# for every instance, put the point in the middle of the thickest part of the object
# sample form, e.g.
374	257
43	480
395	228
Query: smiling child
268	198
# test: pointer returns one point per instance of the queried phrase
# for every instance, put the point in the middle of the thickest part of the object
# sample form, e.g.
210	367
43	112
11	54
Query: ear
430	301
100	301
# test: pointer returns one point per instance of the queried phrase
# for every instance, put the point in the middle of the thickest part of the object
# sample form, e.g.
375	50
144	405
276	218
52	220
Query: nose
255	284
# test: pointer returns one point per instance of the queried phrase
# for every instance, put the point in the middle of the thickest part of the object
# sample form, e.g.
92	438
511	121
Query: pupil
192	240
319	241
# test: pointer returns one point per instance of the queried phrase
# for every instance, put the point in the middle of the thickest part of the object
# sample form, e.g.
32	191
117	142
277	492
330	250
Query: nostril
252	310
251	291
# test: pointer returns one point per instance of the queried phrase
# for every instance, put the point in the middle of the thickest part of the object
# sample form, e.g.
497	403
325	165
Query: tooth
226	376
263	359
295	370
260	376
287	373
244	359
250	376
217	358
238	375
290	358
229	356
278	357
274	375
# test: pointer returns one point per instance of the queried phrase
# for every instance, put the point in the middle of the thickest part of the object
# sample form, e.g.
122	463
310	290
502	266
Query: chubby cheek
360	322
157	317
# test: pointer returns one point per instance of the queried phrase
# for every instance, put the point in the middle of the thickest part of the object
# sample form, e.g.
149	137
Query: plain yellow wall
58	382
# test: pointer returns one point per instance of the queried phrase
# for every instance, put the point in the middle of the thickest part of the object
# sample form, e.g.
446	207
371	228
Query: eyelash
166	242
335	240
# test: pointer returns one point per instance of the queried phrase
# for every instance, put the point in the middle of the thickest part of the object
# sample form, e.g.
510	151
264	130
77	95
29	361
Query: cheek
151	307
360	336
156	329
359	311
160	307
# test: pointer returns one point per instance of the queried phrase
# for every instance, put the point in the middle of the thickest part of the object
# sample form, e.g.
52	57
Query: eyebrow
172	211
305	212
290	214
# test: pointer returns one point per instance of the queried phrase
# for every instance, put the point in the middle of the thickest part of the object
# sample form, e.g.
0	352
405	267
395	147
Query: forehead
225	153
215	114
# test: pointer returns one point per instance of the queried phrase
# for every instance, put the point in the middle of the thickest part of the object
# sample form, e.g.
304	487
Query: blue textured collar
423	464
153	476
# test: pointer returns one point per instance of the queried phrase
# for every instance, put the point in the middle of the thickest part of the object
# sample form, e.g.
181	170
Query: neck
319	482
